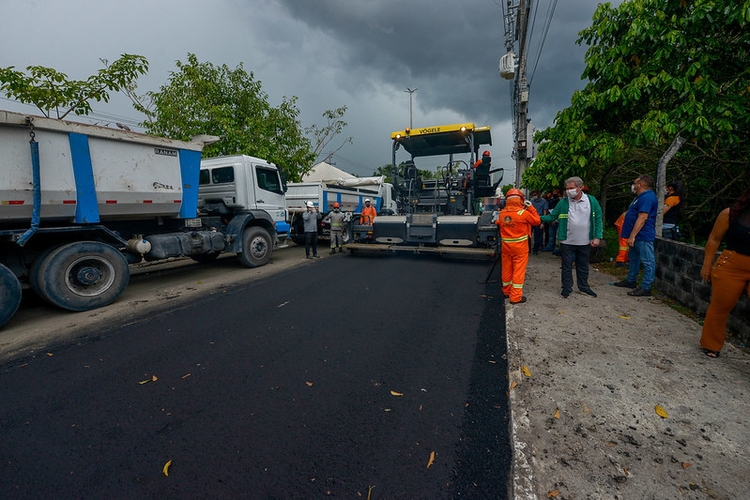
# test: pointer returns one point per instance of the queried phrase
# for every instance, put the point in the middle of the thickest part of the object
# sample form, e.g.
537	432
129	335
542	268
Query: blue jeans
642	253
579	254
552	236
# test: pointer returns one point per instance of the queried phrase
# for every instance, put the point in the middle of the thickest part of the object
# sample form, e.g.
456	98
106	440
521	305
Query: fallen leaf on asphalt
625	317
431	460
186	375
661	412
685	465
153	378
49	354
553	493
165	469
513	385
309	384
525	370
369	492
394	393
557	413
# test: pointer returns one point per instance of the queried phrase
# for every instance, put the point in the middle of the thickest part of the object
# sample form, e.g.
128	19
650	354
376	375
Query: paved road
339	378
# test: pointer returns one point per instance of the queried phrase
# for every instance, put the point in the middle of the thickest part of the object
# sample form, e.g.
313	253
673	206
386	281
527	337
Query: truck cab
231	185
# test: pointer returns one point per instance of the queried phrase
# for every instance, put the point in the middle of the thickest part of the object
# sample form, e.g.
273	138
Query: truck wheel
35	273
10	294
83	275
256	247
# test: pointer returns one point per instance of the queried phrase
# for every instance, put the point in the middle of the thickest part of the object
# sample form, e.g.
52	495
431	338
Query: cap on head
310	204
336	205
367	200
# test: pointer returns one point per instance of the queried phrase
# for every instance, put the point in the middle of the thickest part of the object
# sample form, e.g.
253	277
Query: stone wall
678	267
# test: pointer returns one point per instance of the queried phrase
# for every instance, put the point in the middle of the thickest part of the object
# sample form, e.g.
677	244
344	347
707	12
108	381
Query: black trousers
580	255
311	241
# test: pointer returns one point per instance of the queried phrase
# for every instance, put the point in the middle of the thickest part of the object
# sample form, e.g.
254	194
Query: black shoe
316	256
565	294
622	264
523	299
589	291
640	292
333	251
535	252
546	249
625	284
308	257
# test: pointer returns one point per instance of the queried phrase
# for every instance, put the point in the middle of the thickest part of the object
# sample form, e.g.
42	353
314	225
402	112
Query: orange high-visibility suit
515	222
622	254
368	215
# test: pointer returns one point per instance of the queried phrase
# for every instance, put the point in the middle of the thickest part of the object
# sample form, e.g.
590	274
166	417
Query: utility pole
410	91
522	91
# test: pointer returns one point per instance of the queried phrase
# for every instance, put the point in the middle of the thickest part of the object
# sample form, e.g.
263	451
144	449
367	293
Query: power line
548	22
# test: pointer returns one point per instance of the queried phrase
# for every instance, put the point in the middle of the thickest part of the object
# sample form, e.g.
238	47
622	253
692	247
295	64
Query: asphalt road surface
350	377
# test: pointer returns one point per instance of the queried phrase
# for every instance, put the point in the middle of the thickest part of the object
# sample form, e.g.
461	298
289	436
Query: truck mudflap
459	251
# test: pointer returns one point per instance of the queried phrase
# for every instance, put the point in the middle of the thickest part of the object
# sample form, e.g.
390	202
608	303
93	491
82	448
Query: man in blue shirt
639	228
542	207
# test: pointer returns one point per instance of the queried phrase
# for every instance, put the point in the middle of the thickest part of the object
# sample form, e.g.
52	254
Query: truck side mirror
283	180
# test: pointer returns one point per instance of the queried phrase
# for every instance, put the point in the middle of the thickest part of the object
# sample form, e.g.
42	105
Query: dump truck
349	193
80	203
441	215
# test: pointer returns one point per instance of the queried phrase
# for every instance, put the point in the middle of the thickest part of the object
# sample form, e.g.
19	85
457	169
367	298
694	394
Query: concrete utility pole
410	91
522	91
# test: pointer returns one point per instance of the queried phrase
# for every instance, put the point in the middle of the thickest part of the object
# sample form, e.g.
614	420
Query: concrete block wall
678	275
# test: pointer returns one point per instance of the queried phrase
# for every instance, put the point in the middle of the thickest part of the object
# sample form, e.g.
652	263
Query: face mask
572	193
632	188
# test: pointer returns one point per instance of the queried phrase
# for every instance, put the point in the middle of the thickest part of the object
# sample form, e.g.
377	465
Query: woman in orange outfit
730	276
515	221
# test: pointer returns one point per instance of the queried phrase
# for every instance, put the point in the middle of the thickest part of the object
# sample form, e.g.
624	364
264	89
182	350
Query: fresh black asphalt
338	378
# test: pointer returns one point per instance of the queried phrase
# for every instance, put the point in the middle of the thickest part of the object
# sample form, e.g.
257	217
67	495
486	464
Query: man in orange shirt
515	222
368	213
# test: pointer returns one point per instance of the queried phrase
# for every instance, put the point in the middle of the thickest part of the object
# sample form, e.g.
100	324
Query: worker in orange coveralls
622	254
515	221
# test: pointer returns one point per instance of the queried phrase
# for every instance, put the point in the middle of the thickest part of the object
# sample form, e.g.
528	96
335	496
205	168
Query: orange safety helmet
514	192
336	205
486	153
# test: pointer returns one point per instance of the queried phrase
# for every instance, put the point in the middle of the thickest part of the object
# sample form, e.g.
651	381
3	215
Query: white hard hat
310	204
367	199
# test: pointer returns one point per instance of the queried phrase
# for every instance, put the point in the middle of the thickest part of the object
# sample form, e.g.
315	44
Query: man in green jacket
579	218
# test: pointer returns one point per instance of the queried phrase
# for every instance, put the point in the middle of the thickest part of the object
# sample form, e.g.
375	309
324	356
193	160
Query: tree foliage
658	69
201	98
57	96
323	136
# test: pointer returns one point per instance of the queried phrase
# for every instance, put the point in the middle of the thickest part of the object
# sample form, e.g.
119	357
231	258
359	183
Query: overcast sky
328	53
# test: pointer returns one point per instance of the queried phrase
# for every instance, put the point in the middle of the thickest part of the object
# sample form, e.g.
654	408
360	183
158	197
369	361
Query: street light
410	91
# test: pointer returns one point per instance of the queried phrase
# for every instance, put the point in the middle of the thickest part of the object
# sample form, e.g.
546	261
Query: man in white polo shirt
579	228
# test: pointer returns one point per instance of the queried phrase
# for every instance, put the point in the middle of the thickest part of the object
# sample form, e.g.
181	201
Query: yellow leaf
525	370
49	354
165	469
153	378
309	384
553	493
186	375
394	393
513	385
145	381
661	412
625	317
431	460
557	413
369	492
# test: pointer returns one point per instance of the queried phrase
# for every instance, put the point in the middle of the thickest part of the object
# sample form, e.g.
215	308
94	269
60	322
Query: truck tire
10	294
256	247
83	275
35	273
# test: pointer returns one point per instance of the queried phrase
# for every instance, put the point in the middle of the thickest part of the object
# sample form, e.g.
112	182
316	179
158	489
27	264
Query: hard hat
367	199
514	192
486	153
336	205
310	204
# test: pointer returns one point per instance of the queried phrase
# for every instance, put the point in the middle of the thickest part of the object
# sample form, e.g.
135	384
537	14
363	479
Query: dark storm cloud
450	51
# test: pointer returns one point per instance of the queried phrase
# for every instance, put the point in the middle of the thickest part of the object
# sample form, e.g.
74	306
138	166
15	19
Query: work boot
625	284
640	292
333	251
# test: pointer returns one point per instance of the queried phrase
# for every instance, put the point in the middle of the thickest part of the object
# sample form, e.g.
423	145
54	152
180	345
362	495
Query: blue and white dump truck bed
79	203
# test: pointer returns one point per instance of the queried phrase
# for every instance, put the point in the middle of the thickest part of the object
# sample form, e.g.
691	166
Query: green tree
201	98
658	69
322	136
57	96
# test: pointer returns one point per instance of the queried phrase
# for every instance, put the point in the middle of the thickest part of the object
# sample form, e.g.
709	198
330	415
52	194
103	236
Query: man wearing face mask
639	227
579	228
